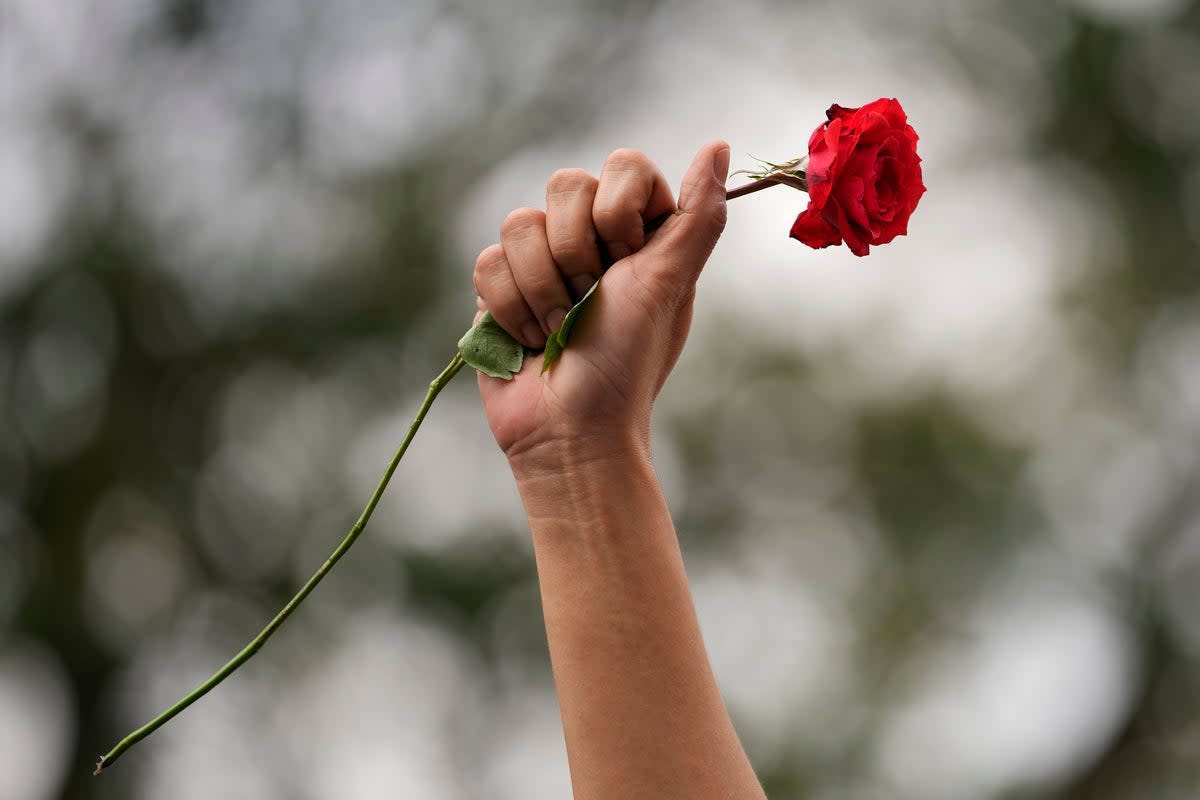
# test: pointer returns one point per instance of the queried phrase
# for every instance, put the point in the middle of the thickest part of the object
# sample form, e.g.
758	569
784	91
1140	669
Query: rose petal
890	109
854	238
823	161
839	112
814	231
849	194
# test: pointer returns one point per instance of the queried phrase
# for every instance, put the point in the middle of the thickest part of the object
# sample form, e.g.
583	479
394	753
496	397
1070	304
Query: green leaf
558	339
488	348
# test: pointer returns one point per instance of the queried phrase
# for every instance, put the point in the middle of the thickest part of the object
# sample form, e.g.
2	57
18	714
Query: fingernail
532	333
554	319
721	165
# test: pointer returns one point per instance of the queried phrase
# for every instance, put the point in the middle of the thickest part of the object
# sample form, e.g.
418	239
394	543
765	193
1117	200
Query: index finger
632	191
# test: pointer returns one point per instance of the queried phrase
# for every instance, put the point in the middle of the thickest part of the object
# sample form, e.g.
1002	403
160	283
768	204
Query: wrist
579	478
578	453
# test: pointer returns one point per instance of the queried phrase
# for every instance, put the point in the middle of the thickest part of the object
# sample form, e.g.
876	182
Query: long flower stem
766	182
435	387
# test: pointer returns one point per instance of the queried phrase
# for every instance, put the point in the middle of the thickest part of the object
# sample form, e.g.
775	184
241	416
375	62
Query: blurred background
941	505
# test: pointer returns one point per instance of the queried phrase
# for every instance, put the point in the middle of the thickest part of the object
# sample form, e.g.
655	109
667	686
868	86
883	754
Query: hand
599	395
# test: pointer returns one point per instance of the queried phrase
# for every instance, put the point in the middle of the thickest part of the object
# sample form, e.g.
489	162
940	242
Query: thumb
677	252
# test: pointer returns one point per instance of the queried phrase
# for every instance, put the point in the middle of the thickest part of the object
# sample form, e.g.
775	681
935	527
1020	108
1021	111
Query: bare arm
640	707
641	711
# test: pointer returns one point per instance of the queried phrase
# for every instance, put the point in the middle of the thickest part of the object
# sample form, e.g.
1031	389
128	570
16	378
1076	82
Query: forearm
641	711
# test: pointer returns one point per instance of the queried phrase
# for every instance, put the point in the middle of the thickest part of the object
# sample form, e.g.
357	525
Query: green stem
766	182
435	387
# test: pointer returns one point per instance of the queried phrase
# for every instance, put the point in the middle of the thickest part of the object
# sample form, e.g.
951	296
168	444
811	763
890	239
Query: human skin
641	712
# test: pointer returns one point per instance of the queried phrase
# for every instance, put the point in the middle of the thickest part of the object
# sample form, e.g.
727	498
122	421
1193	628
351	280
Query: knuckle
709	217
533	283
573	250
522	219
627	159
613	216
568	181
692	186
490	259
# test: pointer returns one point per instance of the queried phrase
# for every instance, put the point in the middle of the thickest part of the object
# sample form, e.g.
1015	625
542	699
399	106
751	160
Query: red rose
864	178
